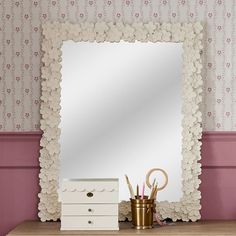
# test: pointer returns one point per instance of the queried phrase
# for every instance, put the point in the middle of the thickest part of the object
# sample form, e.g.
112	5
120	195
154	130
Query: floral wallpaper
20	50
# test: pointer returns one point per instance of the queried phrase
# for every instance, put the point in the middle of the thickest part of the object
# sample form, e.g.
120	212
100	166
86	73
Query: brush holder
142	212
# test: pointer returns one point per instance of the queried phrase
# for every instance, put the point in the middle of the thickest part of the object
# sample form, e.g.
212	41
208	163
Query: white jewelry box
90	204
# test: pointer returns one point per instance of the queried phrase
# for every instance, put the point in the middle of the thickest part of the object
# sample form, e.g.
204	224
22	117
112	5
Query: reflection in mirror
121	113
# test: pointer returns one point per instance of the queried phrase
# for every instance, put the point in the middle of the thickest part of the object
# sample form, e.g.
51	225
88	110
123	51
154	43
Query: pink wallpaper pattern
20	54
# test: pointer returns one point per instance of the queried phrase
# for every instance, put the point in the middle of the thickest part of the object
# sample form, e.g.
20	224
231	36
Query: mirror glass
121	113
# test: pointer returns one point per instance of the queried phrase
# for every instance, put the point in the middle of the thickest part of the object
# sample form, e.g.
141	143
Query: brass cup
142	213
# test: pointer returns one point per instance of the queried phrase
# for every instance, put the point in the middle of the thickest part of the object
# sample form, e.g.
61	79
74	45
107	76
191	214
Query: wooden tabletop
206	228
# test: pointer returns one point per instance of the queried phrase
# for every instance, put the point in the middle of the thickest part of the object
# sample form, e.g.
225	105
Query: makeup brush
151	194
155	193
153	184
143	190
130	187
137	192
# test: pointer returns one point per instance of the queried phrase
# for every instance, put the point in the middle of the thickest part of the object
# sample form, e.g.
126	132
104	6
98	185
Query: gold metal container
142	213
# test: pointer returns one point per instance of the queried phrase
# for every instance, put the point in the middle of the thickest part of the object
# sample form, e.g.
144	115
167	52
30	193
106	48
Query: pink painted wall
218	175
19	184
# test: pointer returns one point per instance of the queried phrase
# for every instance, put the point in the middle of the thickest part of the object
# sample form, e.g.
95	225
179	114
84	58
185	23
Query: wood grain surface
201	228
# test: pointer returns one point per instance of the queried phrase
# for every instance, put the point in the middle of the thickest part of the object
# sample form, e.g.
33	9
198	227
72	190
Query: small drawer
89	223
90	197
89	209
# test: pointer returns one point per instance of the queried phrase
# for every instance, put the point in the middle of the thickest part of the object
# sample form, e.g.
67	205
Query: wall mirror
110	109
121	113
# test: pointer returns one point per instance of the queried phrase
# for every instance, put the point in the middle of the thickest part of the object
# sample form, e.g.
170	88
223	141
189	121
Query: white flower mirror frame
190	34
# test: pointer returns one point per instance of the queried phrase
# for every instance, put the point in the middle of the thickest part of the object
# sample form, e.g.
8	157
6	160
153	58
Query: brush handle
137	192
130	187
143	189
